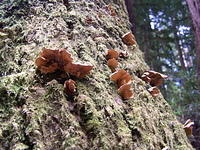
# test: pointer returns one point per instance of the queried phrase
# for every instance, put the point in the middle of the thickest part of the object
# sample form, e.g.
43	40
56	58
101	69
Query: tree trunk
194	7
129	5
34	111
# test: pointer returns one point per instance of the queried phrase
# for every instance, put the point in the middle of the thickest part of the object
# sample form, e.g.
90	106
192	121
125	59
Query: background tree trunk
129	6
194	7
34	111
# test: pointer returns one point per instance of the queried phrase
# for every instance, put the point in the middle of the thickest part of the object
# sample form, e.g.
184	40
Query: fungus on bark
111	53
154	91
123	80
125	91
70	87
112	64
78	70
129	39
154	78
51	60
188	126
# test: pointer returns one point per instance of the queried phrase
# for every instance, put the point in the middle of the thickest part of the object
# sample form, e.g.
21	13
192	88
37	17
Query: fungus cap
111	53
154	91
129	39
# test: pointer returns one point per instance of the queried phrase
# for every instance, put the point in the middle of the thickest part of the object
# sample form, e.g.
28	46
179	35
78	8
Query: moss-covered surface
34	111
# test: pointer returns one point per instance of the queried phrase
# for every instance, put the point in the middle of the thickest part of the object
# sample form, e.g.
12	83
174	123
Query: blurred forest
165	33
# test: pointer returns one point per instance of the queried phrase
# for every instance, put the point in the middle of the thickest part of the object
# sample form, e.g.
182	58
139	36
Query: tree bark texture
194	7
36	114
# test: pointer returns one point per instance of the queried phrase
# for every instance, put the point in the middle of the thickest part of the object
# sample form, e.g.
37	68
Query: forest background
166	34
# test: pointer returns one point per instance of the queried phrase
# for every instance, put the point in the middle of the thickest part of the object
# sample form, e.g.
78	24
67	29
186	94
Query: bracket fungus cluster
122	78
155	79
129	39
50	61
188	126
112	56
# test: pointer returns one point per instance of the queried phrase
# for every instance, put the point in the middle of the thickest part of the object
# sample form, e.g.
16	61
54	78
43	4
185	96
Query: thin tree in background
194	7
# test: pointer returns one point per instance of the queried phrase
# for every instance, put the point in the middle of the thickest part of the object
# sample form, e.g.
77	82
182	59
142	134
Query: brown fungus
112	64
111	53
51	60
154	78
70	87
154	91
125	91
129	39
123	80
78	70
188	126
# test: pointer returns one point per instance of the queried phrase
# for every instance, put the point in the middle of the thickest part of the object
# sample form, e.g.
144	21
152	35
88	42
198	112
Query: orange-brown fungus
52	60
154	91
188	126
154	78
78	70
123	80
117	75
70	87
112	54
126	78
125	91
112	64
129	39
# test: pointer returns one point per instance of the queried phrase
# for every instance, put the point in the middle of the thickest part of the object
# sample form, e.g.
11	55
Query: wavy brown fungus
154	78
70	87
125	91
112	64
123	80
78	70
51	60
154	91
129	39
188	126
111	53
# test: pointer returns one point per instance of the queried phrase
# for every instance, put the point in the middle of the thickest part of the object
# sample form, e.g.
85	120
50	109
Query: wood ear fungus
78	70
70	87
154	78
188	126
111	53
125	91
51	60
154	91
112	64
129	39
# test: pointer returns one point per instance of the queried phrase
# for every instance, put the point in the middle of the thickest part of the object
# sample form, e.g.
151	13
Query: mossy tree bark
34	111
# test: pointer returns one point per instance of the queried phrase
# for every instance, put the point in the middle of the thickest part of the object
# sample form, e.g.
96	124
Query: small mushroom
77	69
188	126
117	75
125	91
154	91
126	78
70	87
129	39
112	64
112	54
